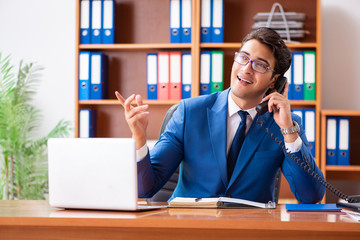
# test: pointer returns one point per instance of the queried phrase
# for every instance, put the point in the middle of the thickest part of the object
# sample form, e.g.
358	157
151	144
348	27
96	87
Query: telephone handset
263	108
279	87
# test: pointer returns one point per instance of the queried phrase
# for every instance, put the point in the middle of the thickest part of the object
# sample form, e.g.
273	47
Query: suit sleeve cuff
141	153
294	146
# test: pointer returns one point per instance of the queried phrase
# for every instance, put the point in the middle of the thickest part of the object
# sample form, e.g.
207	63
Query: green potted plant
23	160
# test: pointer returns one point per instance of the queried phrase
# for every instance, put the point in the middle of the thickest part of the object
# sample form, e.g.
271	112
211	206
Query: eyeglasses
257	66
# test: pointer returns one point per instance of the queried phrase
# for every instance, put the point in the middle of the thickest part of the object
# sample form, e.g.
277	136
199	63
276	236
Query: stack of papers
352	214
286	24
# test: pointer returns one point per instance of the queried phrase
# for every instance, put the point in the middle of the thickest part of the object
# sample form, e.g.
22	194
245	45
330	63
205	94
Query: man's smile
244	80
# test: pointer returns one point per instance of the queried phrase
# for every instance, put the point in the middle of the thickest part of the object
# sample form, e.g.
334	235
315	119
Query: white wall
43	31
340	58
340	66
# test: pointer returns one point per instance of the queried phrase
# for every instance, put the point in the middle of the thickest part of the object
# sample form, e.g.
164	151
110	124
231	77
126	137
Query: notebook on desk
93	173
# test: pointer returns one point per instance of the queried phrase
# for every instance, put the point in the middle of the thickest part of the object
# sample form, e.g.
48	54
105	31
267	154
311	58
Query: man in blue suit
199	135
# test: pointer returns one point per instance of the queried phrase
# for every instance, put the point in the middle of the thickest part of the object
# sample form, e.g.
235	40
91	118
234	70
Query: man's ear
273	81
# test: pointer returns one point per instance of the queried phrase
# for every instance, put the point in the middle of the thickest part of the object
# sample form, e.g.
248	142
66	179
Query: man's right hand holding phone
136	117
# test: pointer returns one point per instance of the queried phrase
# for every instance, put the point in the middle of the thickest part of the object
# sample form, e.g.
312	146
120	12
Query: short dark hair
272	39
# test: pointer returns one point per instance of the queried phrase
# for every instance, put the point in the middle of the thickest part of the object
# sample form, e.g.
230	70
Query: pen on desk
197	199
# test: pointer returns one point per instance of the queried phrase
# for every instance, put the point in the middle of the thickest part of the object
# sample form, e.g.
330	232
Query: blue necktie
236	144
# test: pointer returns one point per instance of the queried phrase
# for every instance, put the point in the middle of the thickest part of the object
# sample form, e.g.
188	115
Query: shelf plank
171	102
238	45
116	102
340	112
336	168
131	46
302	103
343	172
142	46
303	45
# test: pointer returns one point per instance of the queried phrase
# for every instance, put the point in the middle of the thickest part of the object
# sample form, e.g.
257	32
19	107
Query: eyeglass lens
257	66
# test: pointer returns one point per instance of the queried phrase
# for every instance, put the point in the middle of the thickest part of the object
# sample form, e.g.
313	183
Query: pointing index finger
120	98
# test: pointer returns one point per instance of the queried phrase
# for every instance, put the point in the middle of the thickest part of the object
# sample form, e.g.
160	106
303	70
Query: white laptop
93	173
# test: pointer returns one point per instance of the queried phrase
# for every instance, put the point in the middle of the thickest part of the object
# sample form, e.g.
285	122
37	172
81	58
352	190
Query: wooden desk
36	220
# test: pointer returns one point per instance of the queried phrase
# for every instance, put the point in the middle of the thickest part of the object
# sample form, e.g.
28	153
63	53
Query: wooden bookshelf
142	27
351	172
334	172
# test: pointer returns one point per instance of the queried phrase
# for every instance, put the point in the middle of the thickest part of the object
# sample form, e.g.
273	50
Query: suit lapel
252	140
217	122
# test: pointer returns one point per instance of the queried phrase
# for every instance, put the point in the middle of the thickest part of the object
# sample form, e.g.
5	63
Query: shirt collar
234	108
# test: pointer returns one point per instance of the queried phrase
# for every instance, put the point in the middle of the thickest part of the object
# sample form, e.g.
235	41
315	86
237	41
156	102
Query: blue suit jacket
195	138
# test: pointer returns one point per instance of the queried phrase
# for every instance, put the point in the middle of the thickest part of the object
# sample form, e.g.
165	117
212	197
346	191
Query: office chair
166	191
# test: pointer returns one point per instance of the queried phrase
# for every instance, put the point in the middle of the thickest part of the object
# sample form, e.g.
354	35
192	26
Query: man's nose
247	68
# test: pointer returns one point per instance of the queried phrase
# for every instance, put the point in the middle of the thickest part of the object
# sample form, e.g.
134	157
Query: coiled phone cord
306	166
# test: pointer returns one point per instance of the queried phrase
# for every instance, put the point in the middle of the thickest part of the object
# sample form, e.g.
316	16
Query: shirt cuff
294	146
141	153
